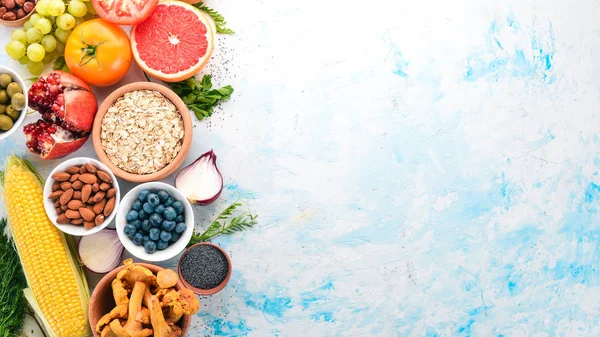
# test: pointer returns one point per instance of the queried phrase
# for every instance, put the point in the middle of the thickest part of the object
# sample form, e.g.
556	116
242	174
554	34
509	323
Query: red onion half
201	182
101	252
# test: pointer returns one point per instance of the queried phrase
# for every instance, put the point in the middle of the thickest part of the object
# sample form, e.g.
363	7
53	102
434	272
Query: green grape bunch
44	35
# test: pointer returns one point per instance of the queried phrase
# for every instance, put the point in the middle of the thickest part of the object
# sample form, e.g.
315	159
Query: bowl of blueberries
155	221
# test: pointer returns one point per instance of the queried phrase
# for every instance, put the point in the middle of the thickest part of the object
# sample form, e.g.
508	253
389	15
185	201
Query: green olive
12	113
13	88
5	80
2	108
18	101
3	97
5	123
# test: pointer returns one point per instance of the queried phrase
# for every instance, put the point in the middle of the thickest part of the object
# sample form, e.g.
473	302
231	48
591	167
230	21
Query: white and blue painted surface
421	168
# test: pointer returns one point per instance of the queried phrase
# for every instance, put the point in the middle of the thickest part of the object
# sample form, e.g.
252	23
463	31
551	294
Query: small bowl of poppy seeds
204	268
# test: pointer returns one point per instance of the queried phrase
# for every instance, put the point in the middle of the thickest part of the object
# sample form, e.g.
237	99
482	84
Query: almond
55	186
98	207
57	204
88	178
74	177
110	206
62	219
111	193
55	194
90	168
95	187
64	207
65	185
61	176
77	185
104	187
59	211
87	214
72	214
99	196
77	195
104	177
75	204
89	224
77	222
66	197
86	190
72	169
82	169
99	219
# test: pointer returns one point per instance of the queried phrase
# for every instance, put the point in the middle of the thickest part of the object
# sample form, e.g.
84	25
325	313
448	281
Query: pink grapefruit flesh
174	43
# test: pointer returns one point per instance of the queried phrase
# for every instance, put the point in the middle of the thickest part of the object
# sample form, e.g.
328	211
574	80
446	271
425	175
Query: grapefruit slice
174	43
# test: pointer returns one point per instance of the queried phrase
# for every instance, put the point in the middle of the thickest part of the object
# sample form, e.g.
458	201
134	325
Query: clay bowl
17	23
102	300
205	292
187	137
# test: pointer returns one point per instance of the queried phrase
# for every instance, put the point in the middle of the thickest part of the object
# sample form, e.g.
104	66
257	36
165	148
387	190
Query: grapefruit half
174	43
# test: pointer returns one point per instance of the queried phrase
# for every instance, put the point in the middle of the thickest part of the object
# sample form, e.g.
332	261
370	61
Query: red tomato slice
125	12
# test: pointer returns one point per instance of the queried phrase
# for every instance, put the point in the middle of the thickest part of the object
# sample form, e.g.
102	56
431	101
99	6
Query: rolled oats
142	132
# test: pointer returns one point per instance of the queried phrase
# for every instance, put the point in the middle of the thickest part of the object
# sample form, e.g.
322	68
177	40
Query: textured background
421	168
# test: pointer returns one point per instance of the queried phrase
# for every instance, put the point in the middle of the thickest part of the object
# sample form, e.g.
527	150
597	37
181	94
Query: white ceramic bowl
19	121
49	204
139	251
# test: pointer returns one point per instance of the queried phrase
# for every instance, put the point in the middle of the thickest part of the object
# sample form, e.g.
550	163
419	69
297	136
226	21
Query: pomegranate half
68	108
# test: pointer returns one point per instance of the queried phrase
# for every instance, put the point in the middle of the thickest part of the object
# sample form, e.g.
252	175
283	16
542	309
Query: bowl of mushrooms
140	299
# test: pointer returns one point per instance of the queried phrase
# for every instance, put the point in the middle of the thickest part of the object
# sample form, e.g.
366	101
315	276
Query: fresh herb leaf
241	222
199	95
13	304
217	18
60	64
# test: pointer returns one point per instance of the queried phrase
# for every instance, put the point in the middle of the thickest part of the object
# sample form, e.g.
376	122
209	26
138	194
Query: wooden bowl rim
187	129
184	323
205	292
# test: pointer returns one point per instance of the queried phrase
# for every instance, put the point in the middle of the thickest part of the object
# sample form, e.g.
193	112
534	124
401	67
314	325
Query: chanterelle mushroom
160	326
143	316
107	331
133	273
132	328
166	278
119	311
179	303
120	292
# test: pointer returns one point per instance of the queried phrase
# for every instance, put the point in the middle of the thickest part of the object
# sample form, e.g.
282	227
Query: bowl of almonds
14	13
81	196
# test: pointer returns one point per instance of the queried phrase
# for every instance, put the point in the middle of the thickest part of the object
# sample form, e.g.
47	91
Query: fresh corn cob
57	291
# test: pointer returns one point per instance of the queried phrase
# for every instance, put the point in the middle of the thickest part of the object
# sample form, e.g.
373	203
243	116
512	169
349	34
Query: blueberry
180	218
145	239
150	247
146	225
180	227
136	223
153	199
178	207
174	237
162	244
165	236
169	201
168	225
148	208
143	215
160	209
154	234
137	205
129	230
156	220
170	213
132	215
137	239
143	195
163	195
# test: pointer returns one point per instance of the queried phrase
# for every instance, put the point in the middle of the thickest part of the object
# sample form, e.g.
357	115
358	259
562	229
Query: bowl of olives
13	101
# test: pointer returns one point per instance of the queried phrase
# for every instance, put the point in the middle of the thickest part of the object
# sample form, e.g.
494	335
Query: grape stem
90	52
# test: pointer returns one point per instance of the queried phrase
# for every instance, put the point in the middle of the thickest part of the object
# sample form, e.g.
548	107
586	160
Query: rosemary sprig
217	18
239	223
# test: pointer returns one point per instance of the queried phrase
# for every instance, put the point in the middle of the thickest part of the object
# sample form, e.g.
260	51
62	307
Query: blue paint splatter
400	64
327	286
222	327
325	316
275	306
